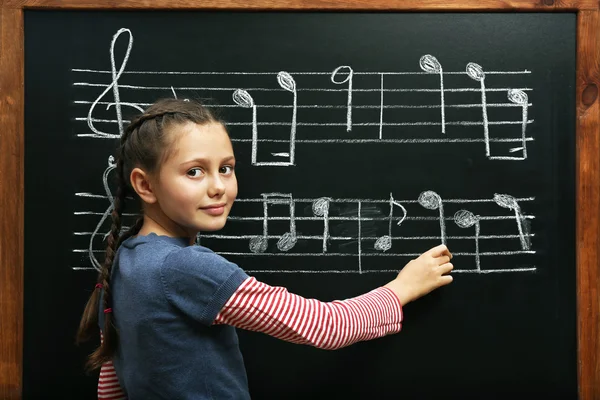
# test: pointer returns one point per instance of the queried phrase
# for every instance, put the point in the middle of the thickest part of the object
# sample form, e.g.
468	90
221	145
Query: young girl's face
196	185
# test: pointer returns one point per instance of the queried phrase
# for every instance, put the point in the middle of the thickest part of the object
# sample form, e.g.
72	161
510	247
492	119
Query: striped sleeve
257	306
108	383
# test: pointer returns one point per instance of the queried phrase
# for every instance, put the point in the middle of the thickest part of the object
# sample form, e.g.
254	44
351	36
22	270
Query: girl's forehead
205	141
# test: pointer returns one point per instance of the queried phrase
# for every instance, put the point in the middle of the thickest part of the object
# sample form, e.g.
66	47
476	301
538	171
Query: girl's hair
146	143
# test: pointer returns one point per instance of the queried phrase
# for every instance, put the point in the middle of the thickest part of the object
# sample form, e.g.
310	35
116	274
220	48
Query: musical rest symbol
432	201
348	79
508	201
242	98
287	241
288	83
476	73
384	243
520	97
430	64
466	219
320	208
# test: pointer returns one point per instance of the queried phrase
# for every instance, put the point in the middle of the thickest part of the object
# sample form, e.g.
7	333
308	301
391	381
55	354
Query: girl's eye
227	169
194	172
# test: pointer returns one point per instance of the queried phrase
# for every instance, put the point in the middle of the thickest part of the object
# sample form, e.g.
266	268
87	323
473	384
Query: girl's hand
423	275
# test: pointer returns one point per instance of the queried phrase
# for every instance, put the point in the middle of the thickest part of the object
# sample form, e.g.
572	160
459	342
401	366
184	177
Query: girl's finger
446	268
443	260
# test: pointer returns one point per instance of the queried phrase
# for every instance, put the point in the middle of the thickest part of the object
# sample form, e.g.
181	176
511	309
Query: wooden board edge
11	201
588	204
309	5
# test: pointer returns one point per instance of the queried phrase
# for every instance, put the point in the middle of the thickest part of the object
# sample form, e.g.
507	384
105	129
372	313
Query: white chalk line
327	106
263	89
374	254
425	123
349	271
274	73
320	237
340	200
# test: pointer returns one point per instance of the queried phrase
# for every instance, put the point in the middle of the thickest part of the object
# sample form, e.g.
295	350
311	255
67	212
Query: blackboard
505	327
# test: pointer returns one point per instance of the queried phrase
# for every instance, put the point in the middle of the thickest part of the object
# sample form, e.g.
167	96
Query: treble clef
111	166
115	88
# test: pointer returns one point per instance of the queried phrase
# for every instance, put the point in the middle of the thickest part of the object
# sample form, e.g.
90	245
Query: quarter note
348	79
466	219
384	243
508	201
320	208
430	64
432	201
476	73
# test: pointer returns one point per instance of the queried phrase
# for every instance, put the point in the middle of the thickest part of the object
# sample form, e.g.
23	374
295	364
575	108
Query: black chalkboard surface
362	140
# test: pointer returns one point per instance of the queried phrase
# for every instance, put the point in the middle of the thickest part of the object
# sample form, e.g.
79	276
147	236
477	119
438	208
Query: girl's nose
217	186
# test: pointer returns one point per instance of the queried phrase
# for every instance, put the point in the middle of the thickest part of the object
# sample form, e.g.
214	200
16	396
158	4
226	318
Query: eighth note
466	219
508	201
288	83
520	97
242	98
432	201
287	241
384	243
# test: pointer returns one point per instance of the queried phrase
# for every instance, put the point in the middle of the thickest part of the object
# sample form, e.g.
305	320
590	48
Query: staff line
335	106
354	124
349	271
274	73
320	237
339	200
363	254
259	89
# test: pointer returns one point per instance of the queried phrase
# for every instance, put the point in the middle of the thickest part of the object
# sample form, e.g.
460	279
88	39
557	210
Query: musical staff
325	232
372	112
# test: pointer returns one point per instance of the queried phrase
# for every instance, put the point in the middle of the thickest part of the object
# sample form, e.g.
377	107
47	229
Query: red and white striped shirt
273	310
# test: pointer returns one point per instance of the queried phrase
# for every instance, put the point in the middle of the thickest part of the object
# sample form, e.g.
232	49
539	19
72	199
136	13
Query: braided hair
146	143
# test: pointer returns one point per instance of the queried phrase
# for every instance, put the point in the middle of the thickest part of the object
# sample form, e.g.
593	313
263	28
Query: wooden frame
587	169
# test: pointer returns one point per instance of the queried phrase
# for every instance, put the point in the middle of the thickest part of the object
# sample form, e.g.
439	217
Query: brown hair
145	144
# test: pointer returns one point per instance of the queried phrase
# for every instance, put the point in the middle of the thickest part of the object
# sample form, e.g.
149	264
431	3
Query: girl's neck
151	225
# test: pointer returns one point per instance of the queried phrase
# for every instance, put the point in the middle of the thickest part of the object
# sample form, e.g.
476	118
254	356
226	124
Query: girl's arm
257	306
108	383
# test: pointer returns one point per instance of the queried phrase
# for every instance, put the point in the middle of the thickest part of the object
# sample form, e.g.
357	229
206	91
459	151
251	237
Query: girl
168	309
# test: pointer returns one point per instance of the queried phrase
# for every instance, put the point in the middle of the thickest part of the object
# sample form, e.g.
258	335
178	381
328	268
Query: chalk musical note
288	83
430	64
466	219
384	243
242	98
111	166
287	241
348	79
114	86
320	208
520	97
432	201
508	201
476	73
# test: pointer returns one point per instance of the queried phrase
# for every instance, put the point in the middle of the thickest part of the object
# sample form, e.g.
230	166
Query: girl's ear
140	181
